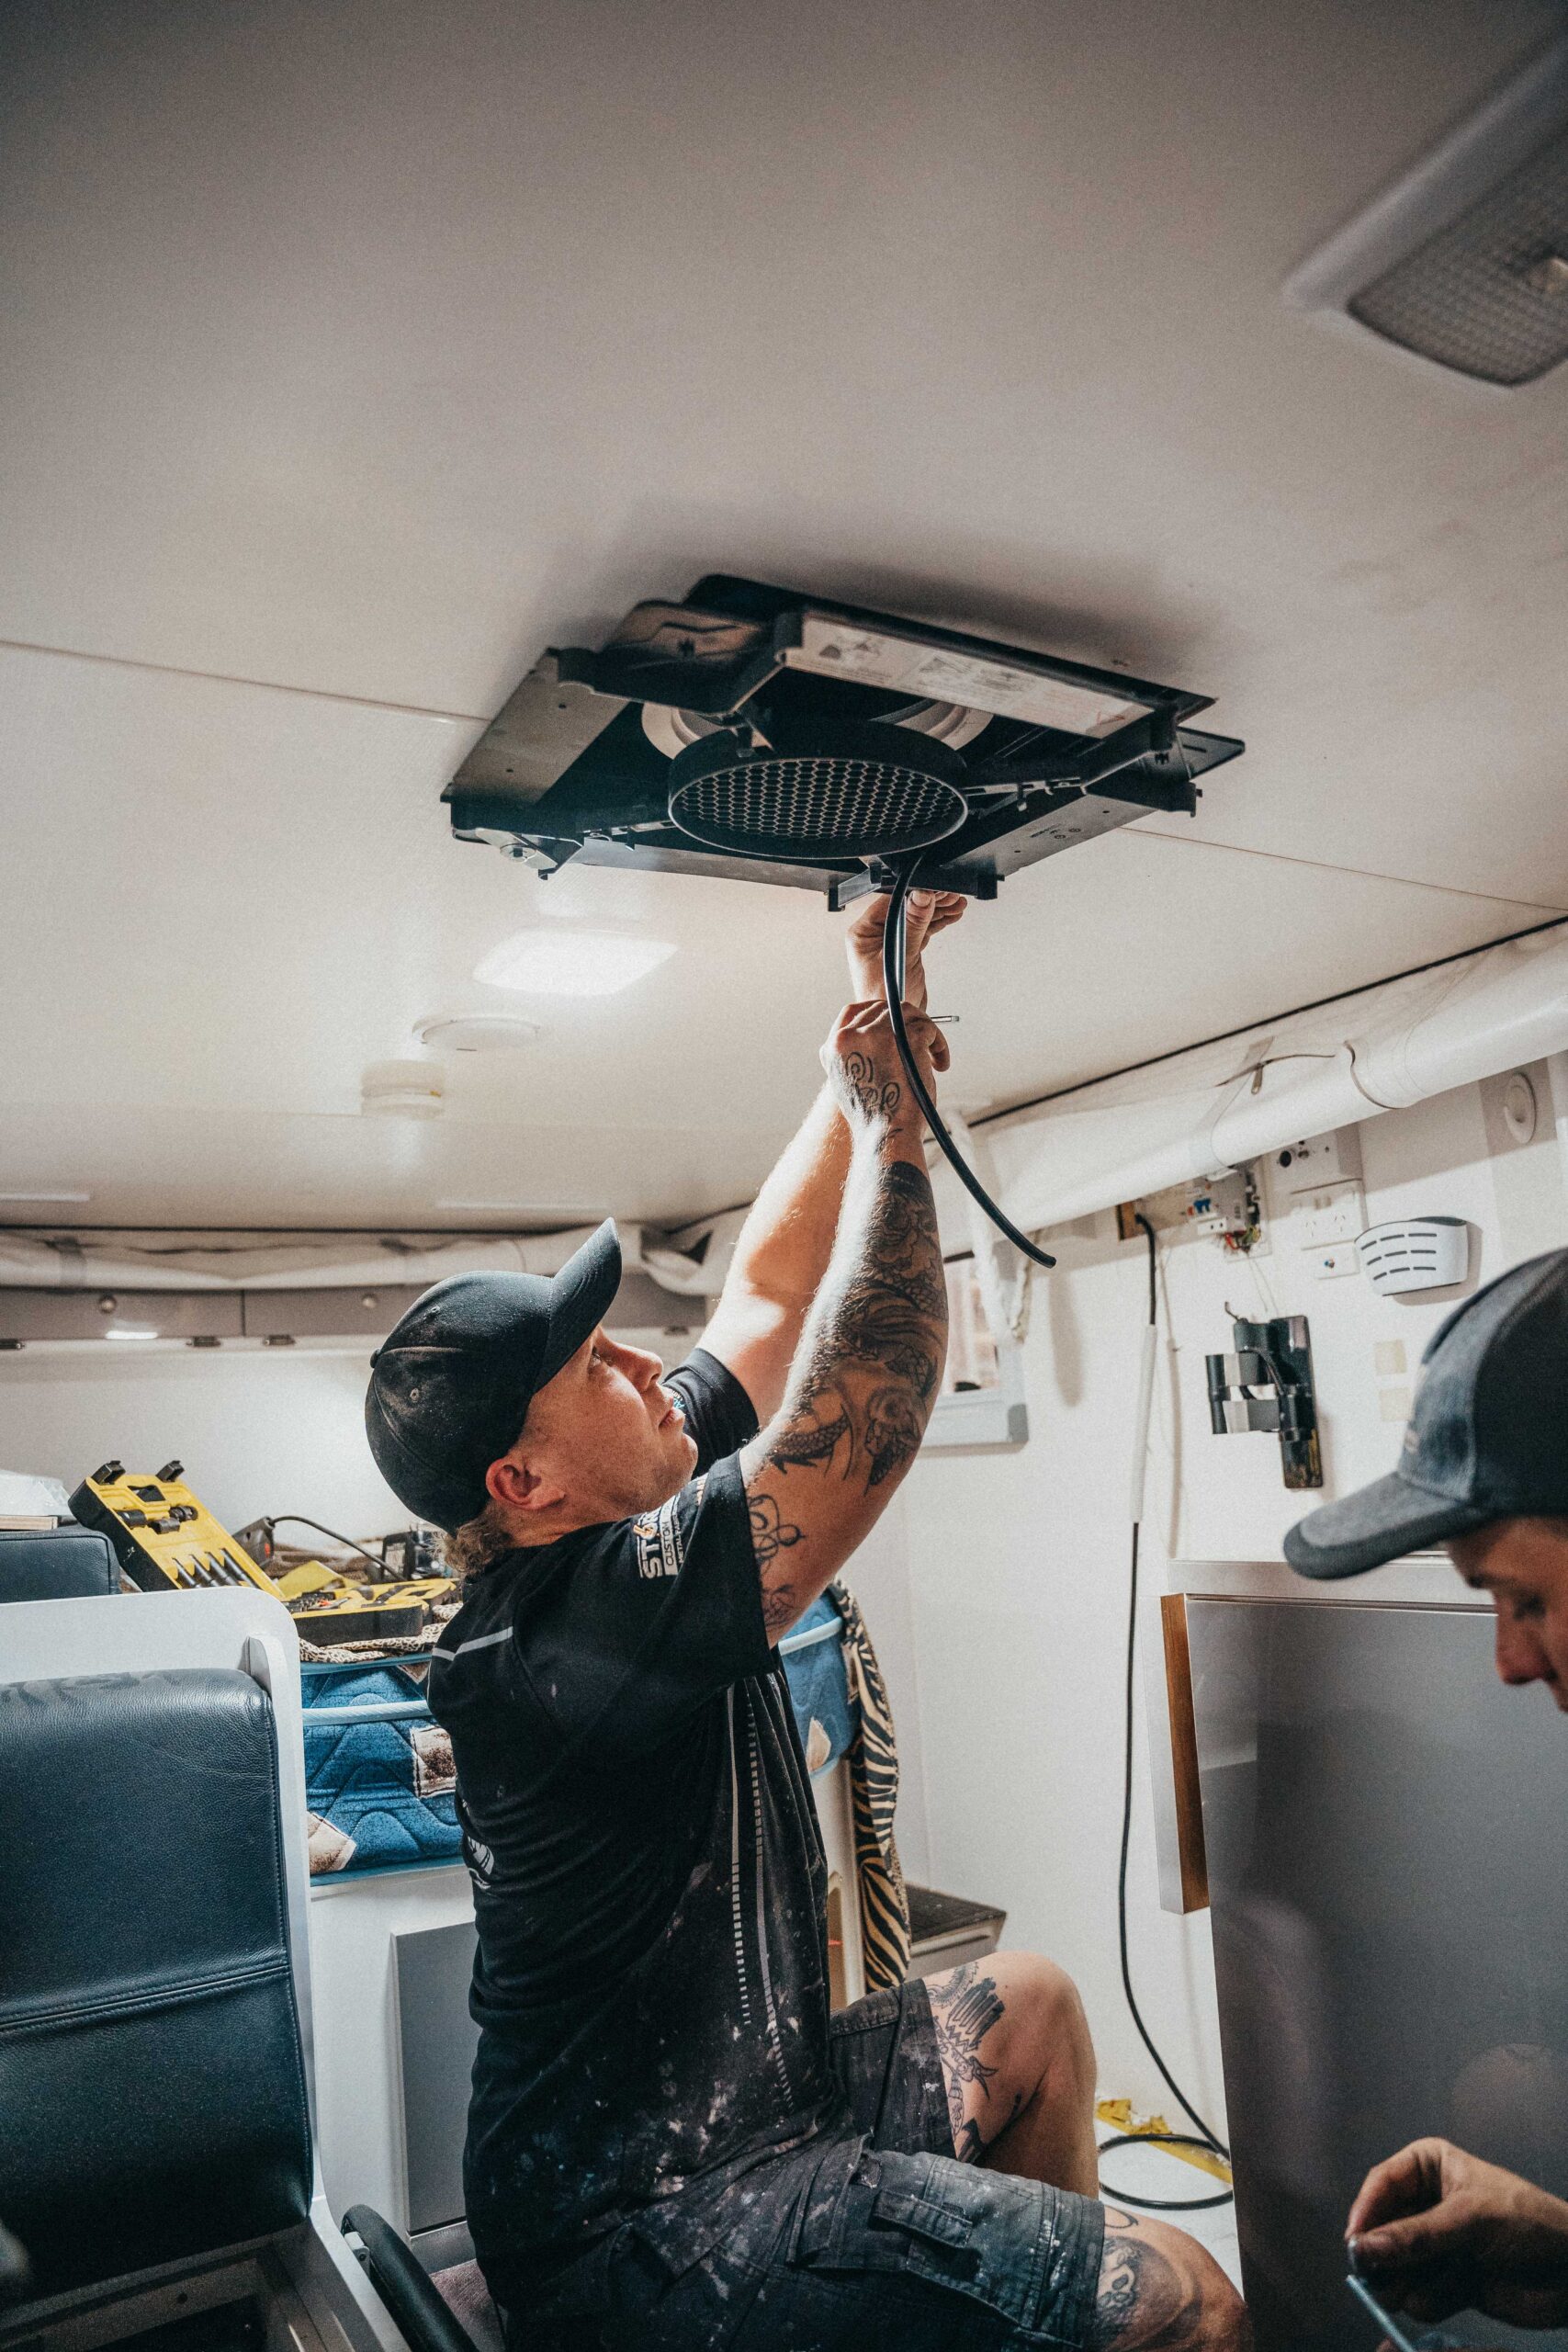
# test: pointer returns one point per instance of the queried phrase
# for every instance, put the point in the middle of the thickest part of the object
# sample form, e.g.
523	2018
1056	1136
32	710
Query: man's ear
516	1486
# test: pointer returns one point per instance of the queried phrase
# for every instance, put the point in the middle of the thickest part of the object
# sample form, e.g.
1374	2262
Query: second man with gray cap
1484	1472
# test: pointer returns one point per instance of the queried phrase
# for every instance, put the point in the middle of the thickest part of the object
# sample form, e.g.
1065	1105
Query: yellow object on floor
1121	2116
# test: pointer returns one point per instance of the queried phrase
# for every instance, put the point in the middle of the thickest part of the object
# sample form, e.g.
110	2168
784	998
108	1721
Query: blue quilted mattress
825	1715
379	1781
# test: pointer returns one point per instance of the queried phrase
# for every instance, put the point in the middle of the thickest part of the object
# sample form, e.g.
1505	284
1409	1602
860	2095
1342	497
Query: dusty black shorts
871	2238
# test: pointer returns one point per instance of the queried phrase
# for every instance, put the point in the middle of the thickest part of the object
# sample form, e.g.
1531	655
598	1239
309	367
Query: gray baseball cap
451	1384
1488	1438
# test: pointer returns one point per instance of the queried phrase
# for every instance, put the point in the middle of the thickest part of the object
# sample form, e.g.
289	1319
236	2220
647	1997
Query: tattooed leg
1159	2291
964	2008
1019	2069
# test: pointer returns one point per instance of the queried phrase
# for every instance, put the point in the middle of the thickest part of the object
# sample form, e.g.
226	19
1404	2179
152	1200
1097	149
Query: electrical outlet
1329	1212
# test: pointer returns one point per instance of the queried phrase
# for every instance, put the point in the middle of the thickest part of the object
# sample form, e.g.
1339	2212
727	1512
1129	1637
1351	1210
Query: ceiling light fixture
41	1200
1463	261
475	1033
571	963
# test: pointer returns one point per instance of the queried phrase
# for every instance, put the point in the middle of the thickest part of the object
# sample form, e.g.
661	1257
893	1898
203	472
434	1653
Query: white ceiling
353	354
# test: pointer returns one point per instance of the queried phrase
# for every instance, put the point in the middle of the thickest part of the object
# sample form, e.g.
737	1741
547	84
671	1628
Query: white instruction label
831	649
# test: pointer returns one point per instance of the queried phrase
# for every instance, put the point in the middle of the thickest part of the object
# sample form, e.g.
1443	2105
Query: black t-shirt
652	1983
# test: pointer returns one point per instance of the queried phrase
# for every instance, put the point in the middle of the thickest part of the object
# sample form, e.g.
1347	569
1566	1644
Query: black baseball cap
1488	1438
451	1385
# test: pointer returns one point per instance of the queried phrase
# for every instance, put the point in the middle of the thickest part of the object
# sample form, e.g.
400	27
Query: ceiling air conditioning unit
756	733
1464	261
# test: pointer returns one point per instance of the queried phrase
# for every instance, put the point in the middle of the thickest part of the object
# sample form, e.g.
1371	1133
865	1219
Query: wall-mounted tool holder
1275	1358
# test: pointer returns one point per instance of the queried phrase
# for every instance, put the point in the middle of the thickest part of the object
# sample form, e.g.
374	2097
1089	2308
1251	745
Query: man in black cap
669	2140
1483	1473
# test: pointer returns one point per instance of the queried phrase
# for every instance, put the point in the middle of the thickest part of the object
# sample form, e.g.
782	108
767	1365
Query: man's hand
925	913
864	1071
1436	2230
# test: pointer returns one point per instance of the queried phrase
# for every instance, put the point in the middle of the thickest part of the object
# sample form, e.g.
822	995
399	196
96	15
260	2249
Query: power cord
893	972
1210	2140
893	986
297	1519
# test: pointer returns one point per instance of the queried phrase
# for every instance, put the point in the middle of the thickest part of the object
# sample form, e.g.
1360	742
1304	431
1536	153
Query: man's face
607	1434
1523	1564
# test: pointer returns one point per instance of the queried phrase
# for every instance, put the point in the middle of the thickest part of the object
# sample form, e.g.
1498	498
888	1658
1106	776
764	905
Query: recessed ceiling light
132	1331
475	1033
571	963
41	1199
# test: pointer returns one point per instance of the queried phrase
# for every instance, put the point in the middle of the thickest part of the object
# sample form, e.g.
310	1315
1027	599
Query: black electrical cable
893	972
893	984
1209	2140
297	1519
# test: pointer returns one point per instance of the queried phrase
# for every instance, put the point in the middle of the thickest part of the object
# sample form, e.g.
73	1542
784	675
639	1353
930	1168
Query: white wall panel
1019	1564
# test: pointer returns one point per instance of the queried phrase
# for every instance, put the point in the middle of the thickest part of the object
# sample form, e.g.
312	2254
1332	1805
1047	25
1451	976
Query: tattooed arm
787	1239
866	1373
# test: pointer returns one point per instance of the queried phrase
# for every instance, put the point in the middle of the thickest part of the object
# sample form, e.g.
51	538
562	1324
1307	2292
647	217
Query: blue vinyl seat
56	1563
151	2074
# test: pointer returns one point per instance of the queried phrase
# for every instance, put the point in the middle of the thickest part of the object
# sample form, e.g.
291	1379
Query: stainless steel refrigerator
1385	1833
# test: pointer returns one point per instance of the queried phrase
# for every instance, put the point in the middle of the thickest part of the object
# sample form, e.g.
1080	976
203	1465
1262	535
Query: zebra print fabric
873	1794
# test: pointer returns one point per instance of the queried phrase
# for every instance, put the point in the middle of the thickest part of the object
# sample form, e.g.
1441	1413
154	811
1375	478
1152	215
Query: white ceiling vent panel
1464	261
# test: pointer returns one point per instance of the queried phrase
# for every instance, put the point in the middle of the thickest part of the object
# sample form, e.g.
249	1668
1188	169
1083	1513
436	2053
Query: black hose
1209	2140
893	984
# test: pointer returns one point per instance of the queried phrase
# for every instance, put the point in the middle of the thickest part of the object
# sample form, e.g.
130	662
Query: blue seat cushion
150	2081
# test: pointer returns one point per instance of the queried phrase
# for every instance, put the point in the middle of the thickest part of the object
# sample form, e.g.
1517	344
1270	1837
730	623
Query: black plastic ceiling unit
754	731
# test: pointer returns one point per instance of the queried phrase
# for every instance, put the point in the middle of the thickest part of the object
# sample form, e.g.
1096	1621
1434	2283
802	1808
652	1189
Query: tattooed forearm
878	1098
861	1387
863	1398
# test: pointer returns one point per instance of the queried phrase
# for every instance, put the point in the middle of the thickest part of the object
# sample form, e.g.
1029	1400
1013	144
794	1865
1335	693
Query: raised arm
866	1374
785	1242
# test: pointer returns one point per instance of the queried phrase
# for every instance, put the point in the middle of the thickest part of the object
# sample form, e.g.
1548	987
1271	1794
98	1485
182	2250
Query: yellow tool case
164	1538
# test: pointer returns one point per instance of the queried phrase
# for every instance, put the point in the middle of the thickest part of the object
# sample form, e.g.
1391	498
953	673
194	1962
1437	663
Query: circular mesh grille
821	806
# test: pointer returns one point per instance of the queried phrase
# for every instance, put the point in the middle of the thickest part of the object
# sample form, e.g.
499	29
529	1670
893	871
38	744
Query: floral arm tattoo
863	1384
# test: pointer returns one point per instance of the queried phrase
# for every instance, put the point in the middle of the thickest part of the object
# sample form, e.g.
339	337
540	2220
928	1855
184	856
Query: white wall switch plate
1330	1260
